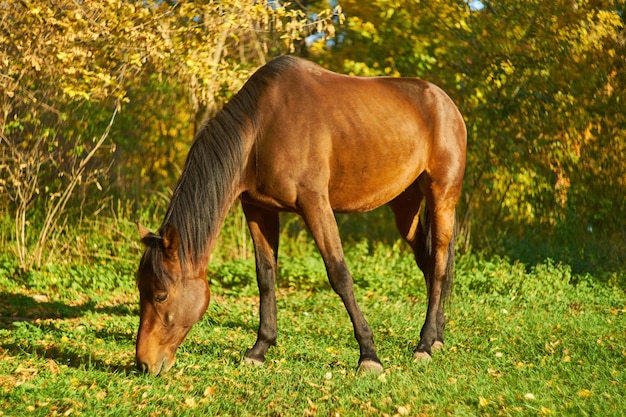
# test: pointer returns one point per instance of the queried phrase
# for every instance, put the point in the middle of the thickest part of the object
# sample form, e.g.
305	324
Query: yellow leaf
53	367
312	410
403	410
546	411
584	393
483	402
135	59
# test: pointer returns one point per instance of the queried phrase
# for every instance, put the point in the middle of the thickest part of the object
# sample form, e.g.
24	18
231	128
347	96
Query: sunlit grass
518	343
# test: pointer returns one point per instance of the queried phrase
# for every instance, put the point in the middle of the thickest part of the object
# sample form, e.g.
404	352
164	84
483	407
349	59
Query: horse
299	138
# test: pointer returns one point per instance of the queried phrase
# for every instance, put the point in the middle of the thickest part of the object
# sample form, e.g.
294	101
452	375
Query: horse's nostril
142	367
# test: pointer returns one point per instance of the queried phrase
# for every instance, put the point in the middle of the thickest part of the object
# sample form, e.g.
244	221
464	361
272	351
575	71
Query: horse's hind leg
441	201
319	217
406	209
264	229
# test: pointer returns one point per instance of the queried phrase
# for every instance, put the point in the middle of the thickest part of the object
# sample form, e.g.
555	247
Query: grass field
520	341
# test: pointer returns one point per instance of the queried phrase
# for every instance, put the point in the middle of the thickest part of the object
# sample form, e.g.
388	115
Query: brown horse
303	139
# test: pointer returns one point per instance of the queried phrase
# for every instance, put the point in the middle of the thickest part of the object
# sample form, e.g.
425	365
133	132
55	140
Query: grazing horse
302	139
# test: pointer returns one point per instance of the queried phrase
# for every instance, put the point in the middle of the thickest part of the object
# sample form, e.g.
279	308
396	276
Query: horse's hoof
438	345
370	366
420	356
252	362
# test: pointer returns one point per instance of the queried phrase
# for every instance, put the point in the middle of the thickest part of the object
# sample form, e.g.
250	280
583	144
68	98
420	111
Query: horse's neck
212	237
213	177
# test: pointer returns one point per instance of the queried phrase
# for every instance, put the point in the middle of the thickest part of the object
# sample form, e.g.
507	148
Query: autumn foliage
541	86
153	70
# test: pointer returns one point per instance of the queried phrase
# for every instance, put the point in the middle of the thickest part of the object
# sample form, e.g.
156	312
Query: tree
541	87
68	68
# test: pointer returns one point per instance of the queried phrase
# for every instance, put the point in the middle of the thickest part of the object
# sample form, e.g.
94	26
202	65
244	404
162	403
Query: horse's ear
171	241
144	233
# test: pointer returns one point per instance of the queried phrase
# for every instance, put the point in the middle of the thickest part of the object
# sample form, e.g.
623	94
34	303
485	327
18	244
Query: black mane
214	163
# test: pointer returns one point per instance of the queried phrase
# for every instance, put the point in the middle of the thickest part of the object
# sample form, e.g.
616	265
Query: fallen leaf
53	367
529	396
312	410
403	410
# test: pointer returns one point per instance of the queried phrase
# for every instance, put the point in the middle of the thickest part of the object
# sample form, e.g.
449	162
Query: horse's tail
425	248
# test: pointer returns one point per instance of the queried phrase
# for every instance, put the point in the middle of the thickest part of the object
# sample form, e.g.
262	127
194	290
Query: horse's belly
355	187
367	189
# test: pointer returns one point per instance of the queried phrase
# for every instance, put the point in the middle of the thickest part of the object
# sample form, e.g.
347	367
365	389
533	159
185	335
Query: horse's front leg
264	229
320	220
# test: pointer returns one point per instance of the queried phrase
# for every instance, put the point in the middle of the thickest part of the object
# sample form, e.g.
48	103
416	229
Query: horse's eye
159	298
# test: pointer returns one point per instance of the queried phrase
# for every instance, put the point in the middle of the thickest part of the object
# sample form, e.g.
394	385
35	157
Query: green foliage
540	85
236	276
307	273
500	278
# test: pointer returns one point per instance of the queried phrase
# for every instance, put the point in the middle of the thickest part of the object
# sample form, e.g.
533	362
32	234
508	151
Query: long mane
214	164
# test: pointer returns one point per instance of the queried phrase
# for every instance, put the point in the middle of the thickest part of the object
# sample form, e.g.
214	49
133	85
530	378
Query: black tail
425	251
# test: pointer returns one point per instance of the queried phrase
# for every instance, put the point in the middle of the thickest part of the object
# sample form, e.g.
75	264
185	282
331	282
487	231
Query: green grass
520	341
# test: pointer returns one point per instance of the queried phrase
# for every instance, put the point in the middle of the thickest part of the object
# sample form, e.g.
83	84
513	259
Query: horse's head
173	296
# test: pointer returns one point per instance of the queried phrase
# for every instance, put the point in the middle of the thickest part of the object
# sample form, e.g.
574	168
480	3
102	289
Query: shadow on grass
19	307
18	311
83	360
